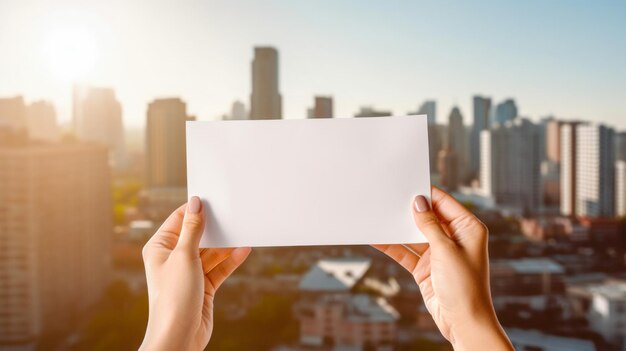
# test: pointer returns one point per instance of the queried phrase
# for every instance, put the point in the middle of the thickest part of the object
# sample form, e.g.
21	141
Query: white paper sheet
341	181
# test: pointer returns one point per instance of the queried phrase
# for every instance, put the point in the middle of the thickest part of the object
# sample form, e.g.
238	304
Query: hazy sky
566	58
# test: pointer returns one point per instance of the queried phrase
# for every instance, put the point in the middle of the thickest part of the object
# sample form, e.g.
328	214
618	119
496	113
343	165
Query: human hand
182	281
453	272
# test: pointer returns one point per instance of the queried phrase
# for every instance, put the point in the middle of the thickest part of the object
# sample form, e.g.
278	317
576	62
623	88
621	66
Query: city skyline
526	129
346	57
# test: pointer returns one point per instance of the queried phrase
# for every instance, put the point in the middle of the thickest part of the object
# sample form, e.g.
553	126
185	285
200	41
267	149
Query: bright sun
70	52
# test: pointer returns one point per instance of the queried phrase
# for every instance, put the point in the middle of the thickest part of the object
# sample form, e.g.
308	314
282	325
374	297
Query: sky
565	58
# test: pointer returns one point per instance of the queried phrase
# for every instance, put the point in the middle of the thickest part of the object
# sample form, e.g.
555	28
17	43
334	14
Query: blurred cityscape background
527	128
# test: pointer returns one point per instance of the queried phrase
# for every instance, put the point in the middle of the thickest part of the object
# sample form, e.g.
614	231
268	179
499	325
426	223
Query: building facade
505	111
457	141
568	168
595	171
620	188
510	164
553	141
322	108
166	159
265	100
98	118
41	121
55	229
13	113
481	107
428	108
448	169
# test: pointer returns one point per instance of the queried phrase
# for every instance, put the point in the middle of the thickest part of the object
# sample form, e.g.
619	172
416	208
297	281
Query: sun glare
70	52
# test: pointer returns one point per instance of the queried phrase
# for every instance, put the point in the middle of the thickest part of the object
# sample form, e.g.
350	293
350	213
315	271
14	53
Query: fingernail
194	205
421	204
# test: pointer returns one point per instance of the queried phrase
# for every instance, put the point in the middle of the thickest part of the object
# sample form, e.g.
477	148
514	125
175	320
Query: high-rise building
41	121
238	111
13	113
457	141
505	111
550	145
55	232
166	144
553	140
428	108
510	164
481	106
567	167
620	188
323	107
551	183
435	141
367	111
595	171
620	146
448	169
265	100
98	118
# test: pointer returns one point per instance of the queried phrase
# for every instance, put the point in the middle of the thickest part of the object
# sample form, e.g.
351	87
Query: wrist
158	338
481	332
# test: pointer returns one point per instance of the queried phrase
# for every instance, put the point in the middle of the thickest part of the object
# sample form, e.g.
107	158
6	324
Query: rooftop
335	274
531	265
523	339
613	290
365	307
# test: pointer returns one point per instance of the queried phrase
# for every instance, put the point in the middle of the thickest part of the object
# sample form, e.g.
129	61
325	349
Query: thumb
428	223
193	226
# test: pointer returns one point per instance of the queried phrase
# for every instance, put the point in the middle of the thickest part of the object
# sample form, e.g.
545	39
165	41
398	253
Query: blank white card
336	181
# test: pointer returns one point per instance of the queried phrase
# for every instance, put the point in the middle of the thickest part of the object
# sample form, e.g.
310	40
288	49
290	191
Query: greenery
118	322
125	195
267	323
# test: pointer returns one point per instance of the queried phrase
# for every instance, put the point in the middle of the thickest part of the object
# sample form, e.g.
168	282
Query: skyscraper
482	106
435	142
166	144
13	113
620	146
510	164
620	188
41	121
98	118
568	167
505	111
265	100
553	140
371	112
448	168
323	107
55	230
595	171
238	111
457	141
428	108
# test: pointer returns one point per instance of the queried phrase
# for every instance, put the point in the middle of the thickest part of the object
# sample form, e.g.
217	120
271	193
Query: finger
400	254
174	222
223	270
193	225
448	209
458	219
428	223
422	270
418	249
212	257
170	229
